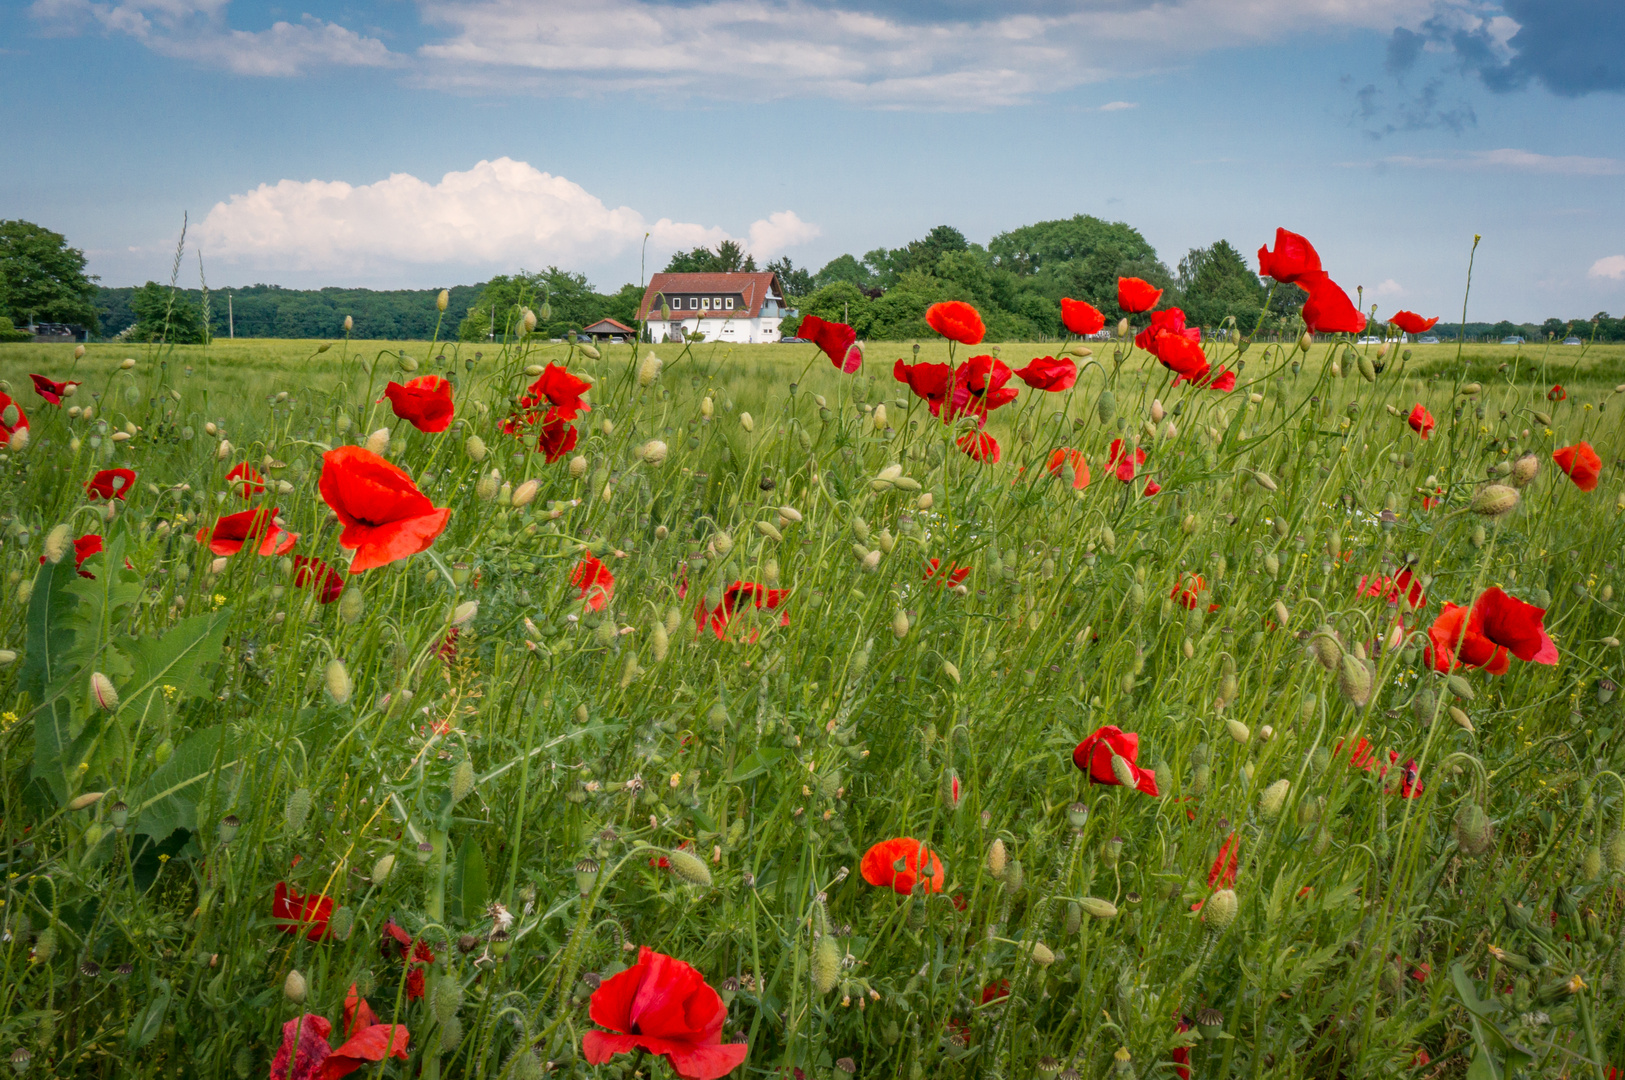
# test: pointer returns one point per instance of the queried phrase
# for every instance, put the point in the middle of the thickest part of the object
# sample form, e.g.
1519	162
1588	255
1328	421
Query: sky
421	143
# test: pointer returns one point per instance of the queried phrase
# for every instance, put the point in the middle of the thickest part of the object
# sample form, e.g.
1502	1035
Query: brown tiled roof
753	287
607	325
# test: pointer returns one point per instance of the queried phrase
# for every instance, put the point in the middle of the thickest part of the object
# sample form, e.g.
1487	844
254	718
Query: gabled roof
753	287
608	326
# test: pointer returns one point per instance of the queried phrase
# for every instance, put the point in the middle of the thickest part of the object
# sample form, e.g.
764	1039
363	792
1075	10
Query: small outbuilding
607	331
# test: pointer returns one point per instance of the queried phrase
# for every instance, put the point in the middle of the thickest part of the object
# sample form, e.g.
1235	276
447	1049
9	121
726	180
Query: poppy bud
690	868
445	998
1460	687
525	493
1273	798
826	964
1238	731
487	487
381	869
1461	719
343	923
1014	877
462	781
996	858
527	320
296	809
899	621
1272	565
442	300
102	693
294	986
349	323
950	669
1368	371
1220	910
19	440
1473	831
1106	407
1265	481
1494	500
1042	954
337	678
1305	340
89	798
1591	864
1123	771
1615	852
1157	412
1100	909
660	642
1325	647
1122	328
1354	679
1073	921
350	605
723	543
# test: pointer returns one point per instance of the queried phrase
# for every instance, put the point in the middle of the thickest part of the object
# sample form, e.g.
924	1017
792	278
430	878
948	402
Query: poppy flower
596	583
52	392
954	576
1151	488
1135	295
1167	321
1294	258
414	953
1222	874
837	340
1081	317
385	516
295	914
559	391
228	535
304	1050
1184	357
1392	588
1557	393
1181	1055
110	483
557	438
12	418
1361	754
1411	322
901	863
663	1006
928	381
1420	420
251	482
738	593
314	574
83	548
993	991
1410	784
1496	628
1094	757
1060	458
1049	373
1124	463
979	386
1329	309
424	402
365	1040
1430	501
979	445
1581	463
956	321
1188	591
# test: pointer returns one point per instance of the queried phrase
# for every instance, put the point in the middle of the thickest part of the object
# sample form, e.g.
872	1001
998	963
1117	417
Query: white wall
745	331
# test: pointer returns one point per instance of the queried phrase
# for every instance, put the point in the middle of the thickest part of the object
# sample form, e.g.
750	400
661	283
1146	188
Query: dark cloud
1571	47
1403	49
1428	109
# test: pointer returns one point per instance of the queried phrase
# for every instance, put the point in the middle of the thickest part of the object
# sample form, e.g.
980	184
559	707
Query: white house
724	307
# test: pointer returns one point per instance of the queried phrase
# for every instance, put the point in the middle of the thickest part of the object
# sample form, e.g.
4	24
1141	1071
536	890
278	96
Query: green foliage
796	283
42	279
726	258
9	332
164	314
570	303
1217	284
270	311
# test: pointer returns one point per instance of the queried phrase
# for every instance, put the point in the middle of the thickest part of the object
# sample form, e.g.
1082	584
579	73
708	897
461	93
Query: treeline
270	311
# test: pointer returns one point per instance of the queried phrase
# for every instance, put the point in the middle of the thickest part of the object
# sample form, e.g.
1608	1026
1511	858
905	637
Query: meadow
1261	733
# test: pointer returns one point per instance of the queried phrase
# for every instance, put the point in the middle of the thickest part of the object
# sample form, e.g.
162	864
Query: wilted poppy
1124	463
900	863
1411	322
110	483
314	574
249	483
979	386
1557	393
228	535
424	402
1135	295
12	418
1496	628
1420	420
53	392
979	445
1329	309
304	1051
928	381
295	914
740	592
385	516
956	321
954	576
663	1006
365	1040
837	340
1081	317
1294	258
596	583
1060	458
1581	463
1049	373
1392	588
1094	756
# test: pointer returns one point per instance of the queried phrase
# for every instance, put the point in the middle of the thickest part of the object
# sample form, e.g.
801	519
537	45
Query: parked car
1572	341
1431	339
1513	340
794	341
1369	341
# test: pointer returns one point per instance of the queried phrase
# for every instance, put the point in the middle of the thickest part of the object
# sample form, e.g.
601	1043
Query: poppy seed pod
825	967
691	868
294	986
102	693
1494	501
1220	910
382	868
337	678
1273	798
996	858
1098	908
586	876
1355	680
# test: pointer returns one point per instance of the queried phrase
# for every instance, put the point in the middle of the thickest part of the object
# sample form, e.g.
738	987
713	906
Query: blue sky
428	142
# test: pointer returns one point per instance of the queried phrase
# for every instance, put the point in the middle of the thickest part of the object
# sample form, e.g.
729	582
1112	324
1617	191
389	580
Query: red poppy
1124	463
1329	309
297	914
1420	420
314	574
900	863
1081	317
424	402
52	392
230	533
1361	754
1189	588
838	340
365	1040
1182	356
1557	393
1293	258
252	482
414	953
957	321
979	445
1049	373
560	391
993	991
1496	628
385	516
954	576
928	381
738	593
1094	756
1581	463
1222	874
110	483
596	583
1392	588
1135	295
1060	458
12	418
1411	322
1410	784
663	1006
1429	501
1167	321
83	548
556	439
304	1051
979	386
1181	1055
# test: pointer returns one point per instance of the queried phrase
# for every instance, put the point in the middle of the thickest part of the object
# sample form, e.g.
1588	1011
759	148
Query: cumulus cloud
499	214
1119	106
1509	160
1389	287
1613	266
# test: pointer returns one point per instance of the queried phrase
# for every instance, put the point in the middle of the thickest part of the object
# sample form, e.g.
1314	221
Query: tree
42	279
1216	282
1031	248
843	268
795	283
728	258
167	315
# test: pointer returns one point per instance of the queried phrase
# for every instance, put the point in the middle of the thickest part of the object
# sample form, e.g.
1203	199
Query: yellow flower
7	719
219	598
163	858
170	692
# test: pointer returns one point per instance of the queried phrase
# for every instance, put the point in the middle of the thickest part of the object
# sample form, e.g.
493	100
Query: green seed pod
462	781
343	923
691	868
1074	918
297	809
1473	831
446	998
1106	407
826	964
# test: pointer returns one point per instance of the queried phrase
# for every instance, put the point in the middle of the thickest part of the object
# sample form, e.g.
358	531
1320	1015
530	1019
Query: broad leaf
756	764
173	665
46	671
167	800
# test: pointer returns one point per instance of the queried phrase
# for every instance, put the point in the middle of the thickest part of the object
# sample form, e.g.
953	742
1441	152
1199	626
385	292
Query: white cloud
1612	266
1118	106
1509	160
500	215
1390	287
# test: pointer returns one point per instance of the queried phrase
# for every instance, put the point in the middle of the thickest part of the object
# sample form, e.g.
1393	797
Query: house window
717	303
730	303
705	303
693	302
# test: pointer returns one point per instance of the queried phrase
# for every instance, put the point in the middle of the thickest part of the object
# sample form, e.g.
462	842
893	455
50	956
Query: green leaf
756	763
46	672
1466	990
167	800
472	872
173	664
144	1028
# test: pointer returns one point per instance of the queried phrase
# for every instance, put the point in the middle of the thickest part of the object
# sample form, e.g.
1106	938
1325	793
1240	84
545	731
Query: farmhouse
723	307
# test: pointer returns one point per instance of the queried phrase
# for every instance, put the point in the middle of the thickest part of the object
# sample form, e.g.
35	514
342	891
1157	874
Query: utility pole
231	320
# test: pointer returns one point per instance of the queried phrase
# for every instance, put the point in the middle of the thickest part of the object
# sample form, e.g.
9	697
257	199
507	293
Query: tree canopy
727	258
166	314
42	279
